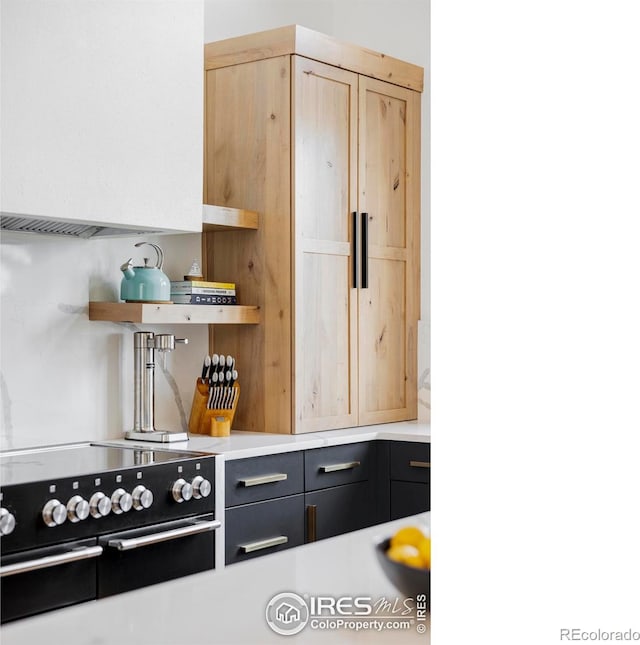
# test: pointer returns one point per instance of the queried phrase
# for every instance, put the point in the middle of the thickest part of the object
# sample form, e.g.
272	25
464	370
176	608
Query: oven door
141	557
48	578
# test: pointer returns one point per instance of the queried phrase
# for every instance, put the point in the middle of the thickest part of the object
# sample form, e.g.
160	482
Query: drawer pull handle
172	534
335	467
264	544
264	479
82	553
419	464
312	522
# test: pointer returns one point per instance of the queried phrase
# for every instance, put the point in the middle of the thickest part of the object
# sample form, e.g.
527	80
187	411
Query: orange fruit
406	554
411	535
424	549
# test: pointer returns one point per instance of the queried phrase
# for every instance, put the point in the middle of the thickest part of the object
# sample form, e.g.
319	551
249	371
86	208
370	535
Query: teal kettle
146	283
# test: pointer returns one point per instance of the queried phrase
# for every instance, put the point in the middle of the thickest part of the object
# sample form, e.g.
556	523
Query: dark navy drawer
260	478
337	465
263	527
409	461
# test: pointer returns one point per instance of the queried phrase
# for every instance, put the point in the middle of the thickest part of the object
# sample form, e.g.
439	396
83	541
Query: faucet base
157	436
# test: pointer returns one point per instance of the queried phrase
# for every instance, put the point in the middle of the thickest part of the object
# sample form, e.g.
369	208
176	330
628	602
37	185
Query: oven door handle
82	553
163	536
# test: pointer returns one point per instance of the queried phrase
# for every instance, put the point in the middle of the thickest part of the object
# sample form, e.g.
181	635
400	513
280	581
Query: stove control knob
54	513
182	491
201	487
77	509
142	497
7	522
121	501
99	505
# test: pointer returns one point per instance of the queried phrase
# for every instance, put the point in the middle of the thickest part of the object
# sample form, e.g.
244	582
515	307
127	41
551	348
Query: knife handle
205	366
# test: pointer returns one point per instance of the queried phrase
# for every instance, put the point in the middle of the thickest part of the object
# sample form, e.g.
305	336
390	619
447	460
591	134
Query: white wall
63	378
102	111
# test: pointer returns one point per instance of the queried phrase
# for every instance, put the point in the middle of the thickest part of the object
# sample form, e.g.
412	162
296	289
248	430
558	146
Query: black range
85	521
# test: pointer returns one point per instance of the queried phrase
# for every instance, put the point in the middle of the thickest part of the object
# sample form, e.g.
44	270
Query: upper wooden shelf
214	218
221	218
138	312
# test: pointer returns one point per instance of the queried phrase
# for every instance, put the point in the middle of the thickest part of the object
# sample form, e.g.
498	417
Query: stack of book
203	292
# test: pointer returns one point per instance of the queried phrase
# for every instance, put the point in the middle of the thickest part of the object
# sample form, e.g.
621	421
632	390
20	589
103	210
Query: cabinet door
389	194
409	498
324	185
338	510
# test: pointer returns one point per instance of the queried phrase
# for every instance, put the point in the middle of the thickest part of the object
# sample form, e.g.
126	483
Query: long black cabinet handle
364	276
312	520
354	247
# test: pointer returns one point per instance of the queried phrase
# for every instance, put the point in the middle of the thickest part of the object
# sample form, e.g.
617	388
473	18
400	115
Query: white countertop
225	607
253	444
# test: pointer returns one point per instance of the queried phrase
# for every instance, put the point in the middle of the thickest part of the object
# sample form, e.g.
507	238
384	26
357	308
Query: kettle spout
127	269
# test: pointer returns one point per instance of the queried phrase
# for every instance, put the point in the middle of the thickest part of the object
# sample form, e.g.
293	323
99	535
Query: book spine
181	291
188	284
197	299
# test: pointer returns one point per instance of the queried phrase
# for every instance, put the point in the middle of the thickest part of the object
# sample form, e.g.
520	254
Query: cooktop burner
75	460
78	490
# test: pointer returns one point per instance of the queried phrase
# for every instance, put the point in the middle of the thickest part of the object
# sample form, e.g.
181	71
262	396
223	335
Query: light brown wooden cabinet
300	128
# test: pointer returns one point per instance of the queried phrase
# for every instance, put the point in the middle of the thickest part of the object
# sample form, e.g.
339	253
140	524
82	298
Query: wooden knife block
214	422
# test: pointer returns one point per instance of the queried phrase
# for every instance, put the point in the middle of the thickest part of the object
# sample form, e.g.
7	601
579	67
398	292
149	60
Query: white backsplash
64	378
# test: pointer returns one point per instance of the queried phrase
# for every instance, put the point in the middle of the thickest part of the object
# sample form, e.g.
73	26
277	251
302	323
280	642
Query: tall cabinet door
324	132
389	199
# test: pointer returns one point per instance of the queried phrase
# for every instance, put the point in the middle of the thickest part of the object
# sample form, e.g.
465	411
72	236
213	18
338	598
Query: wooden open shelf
214	218
135	312
221	218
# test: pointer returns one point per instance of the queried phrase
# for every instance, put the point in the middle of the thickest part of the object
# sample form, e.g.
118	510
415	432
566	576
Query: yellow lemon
424	548
406	554
408	535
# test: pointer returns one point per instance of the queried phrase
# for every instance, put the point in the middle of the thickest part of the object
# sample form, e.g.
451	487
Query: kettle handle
158	251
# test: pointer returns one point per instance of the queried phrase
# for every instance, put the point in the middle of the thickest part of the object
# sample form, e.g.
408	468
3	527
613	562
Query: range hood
27	224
